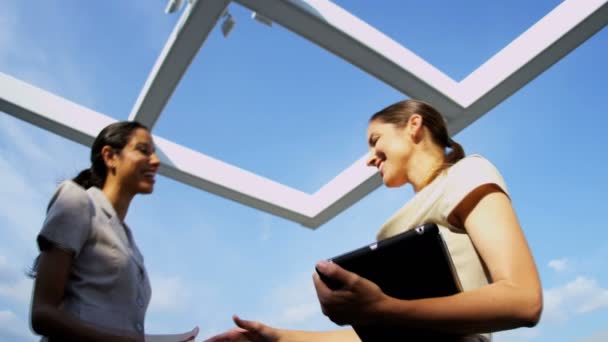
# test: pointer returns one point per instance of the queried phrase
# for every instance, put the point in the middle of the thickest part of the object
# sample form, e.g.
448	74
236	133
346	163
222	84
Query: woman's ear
109	156
415	126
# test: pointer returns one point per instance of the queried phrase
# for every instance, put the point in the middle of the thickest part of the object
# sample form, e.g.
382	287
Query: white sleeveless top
435	202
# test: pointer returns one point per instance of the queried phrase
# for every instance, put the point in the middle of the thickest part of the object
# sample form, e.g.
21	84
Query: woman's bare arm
47	319
513	299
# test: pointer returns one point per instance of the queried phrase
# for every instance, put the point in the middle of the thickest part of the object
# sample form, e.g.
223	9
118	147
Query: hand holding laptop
355	286
353	302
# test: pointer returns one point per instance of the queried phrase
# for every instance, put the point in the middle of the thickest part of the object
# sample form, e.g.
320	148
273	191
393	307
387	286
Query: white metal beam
81	124
187	37
554	36
49	111
331	27
322	22
338	31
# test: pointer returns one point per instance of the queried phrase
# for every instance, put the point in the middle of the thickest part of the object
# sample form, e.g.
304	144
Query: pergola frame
335	29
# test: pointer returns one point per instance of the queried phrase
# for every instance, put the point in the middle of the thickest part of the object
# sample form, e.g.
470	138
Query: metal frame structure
335	29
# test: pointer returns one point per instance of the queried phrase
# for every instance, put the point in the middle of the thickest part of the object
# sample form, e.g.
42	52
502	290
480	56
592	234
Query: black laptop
412	265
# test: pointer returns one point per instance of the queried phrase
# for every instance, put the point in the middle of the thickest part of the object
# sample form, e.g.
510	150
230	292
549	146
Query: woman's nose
371	160
154	160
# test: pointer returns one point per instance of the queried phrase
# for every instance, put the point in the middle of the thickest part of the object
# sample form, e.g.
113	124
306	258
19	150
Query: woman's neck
424	166
119	199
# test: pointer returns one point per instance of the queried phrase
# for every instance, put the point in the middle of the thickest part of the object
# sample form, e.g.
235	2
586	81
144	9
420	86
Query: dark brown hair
399	113
115	135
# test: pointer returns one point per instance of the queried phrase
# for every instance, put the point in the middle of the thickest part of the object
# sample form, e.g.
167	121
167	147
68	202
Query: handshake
244	332
349	304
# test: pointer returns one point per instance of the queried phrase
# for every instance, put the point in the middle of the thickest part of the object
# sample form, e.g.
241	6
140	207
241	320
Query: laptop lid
412	265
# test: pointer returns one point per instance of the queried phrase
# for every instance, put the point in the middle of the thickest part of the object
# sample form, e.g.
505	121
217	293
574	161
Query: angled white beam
352	39
81	124
49	111
228	181
562	30
554	36
558	33
186	39
346	189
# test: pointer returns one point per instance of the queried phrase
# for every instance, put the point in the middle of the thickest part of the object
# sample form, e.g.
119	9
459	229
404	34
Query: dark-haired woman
90	279
468	199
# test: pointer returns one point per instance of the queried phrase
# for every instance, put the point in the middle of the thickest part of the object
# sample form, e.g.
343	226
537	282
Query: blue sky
273	103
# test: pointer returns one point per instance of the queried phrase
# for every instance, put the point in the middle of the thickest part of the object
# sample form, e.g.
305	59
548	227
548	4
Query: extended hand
357	302
191	336
247	331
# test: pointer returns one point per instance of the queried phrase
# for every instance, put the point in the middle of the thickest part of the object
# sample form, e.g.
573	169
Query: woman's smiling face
136	164
390	151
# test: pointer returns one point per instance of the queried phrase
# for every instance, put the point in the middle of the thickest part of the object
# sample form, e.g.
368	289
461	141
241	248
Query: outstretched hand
191	335
247	331
357	302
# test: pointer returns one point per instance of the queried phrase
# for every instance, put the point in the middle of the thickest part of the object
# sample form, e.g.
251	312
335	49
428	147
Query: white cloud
5	270
19	205
14	45
294	304
14	285
8	24
21	141
296	300
580	296
19	291
300	312
168	294
521	334
27	55
577	297
7	21
14	328
600	336
31	166
265	226
559	265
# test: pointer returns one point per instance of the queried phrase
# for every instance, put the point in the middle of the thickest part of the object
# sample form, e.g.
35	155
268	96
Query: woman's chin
146	188
388	183
391	182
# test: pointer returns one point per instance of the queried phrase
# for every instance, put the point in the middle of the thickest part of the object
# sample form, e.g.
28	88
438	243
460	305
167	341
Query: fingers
248	325
233	335
194	332
335	272
320	286
256	331
191	336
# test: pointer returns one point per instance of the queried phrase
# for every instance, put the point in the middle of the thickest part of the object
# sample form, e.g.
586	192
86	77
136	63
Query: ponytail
88	178
456	153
